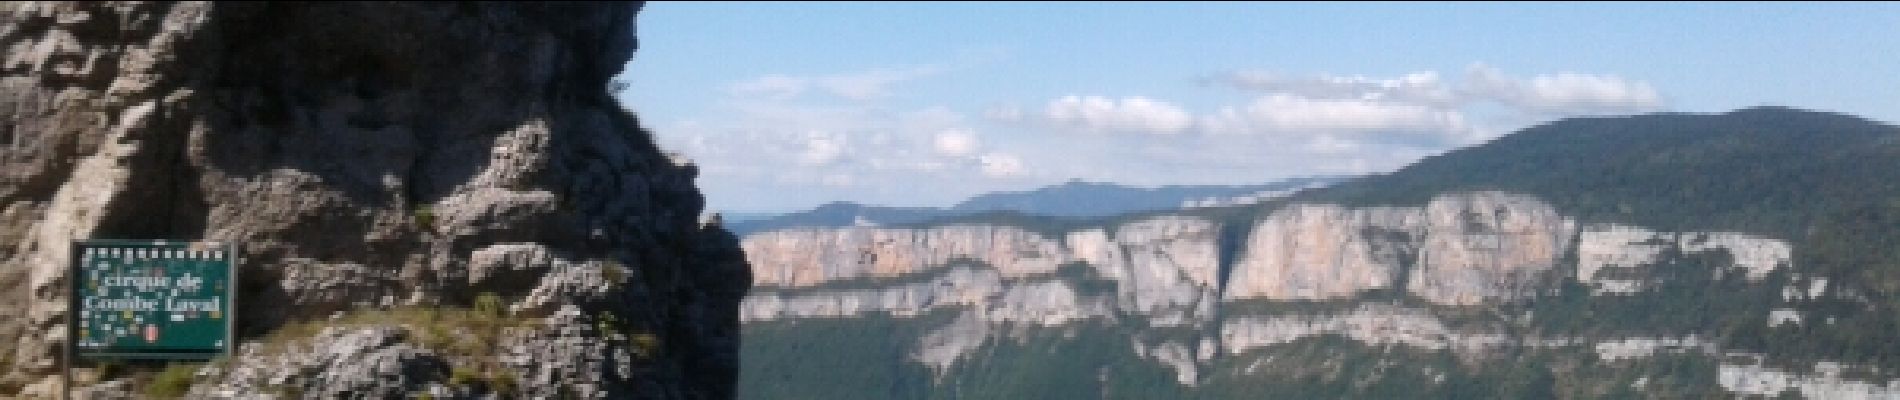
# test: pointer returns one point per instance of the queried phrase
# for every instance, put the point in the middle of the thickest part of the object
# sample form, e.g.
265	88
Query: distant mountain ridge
1073	199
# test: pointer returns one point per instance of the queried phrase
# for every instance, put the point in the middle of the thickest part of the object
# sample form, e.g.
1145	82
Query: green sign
152	299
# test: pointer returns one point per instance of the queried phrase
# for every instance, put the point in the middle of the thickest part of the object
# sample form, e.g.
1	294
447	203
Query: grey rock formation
1163	274
1465	248
1826	383
1163	267
805	257
335	364
1310	252
958	287
363	156
1614	259
1371	324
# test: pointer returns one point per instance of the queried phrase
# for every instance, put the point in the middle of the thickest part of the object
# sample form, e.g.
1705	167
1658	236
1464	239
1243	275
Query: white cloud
859	86
792	134
1418	87
1001	164
955	142
872	84
1005	113
785	139
836	179
769	86
1563	93
1329	144
821	149
1281	113
1553	94
1130	114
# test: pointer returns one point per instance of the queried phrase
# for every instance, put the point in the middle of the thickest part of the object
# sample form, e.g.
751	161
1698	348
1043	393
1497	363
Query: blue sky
788	105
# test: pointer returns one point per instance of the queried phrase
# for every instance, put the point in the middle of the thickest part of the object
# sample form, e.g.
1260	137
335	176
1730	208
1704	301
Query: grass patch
488	305
643	343
615	273
425	218
173	382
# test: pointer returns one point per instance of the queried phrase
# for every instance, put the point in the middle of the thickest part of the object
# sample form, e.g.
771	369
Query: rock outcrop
1162	267
1613	259
1370	324
1463	249
805	257
365	362
1311	252
363	156
1165	267
1826	383
1164	274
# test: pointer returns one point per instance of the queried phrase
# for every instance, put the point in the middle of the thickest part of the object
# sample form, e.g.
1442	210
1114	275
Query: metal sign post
150	299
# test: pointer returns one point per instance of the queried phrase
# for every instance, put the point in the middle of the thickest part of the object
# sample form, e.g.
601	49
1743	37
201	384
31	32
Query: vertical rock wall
366	156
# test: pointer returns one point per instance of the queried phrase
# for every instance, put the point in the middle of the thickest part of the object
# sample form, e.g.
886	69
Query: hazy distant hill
1074	199
1089	199
1749	253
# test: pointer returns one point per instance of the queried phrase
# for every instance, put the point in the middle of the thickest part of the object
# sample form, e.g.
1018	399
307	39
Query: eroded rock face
1463	249
1161	278
1163	267
1826	383
959	287
349	363
363	155
1615	259
1370	324
1309	252
805	257
1488	246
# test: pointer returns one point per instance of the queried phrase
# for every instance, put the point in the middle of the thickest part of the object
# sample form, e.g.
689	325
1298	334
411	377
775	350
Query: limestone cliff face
806	257
1162	267
1459	249
1613	259
1164	274
1464	248
366	156
1321	251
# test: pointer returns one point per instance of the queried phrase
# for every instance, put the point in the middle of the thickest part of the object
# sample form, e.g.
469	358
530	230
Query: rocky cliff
1163	267
1464	274
1458	249
368	158
1466	248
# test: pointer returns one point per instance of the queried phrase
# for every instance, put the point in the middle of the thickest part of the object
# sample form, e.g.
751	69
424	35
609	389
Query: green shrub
172	383
607	323
462	376
488	305
288	392
107	369
614	273
502	383
425	218
645	345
